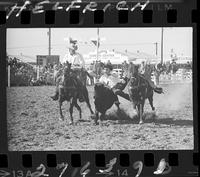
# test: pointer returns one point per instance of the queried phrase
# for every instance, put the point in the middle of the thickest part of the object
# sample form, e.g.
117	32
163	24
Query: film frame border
50	159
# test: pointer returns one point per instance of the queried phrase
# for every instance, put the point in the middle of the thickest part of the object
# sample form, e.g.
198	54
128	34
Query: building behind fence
43	60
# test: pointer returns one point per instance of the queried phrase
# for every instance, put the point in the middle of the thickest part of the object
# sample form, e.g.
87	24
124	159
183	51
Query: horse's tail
158	90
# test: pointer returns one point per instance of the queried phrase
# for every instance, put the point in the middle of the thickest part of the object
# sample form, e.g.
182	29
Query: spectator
108	63
188	66
157	71
174	67
124	68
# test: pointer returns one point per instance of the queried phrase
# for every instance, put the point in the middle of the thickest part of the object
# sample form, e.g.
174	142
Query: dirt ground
33	123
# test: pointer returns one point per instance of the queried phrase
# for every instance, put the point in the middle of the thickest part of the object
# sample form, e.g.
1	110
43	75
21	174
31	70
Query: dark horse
139	90
82	75
72	90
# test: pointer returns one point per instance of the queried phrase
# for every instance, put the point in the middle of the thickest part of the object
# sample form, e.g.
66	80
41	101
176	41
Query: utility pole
97	43
162	45
156	44
49	33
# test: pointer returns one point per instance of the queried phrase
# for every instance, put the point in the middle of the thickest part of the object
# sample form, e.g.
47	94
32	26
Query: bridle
139	82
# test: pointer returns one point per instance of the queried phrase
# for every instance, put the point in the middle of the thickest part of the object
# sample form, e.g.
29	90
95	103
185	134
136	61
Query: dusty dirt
33	123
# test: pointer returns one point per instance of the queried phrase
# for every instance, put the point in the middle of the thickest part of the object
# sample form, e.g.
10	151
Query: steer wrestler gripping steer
113	82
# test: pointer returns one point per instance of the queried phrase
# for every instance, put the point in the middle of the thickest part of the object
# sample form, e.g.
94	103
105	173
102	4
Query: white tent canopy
104	56
183	60
138	57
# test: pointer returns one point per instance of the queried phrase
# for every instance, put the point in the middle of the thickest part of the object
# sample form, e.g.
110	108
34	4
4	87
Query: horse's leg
135	110
60	107
141	112
117	103
71	112
96	117
78	108
86	98
150	98
102	116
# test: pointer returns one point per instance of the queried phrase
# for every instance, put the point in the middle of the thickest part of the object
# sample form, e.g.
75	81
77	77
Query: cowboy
141	69
112	81
125	68
74	58
145	70
77	64
157	72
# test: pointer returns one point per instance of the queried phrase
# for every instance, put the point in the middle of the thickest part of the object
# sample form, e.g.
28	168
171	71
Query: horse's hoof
61	118
54	98
154	111
96	123
71	123
101	123
141	122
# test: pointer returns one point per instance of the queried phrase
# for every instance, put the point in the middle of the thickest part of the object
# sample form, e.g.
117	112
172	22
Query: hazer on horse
140	88
71	86
71	89
77	66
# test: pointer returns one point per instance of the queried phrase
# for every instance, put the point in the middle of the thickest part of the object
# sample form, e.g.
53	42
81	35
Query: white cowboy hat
71	43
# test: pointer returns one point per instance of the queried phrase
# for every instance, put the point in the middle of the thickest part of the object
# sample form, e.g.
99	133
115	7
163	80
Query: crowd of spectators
20	73
24	74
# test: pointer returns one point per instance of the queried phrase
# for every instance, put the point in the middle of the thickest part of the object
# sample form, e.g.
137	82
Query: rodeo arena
101	100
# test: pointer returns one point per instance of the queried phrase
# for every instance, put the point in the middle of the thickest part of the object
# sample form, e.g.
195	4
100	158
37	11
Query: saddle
73	84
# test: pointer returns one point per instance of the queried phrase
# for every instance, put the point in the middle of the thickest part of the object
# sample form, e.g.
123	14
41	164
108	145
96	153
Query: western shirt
75	60
110	80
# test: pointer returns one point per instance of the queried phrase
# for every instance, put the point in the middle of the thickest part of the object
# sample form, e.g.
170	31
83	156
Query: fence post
8	75
38	72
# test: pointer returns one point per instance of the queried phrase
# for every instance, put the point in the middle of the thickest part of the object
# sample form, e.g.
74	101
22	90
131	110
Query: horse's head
67	70
133	81
132	74
132	70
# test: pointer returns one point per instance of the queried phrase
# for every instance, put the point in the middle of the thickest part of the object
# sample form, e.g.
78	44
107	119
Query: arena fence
181	76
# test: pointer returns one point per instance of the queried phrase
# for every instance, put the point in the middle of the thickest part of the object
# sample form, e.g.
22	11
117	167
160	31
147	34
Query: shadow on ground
149	117
171	121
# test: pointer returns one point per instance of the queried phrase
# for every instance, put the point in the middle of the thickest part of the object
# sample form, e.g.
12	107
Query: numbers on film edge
163	168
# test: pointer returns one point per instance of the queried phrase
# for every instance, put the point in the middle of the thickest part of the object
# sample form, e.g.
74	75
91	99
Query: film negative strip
105	58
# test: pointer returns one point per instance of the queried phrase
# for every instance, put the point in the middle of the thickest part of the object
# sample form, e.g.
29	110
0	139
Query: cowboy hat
71	43
109	66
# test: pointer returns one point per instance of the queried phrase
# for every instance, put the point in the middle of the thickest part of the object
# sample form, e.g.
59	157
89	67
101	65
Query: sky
35	41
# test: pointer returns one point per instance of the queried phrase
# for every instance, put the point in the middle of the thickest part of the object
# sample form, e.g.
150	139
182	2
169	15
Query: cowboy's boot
155	88
158	90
